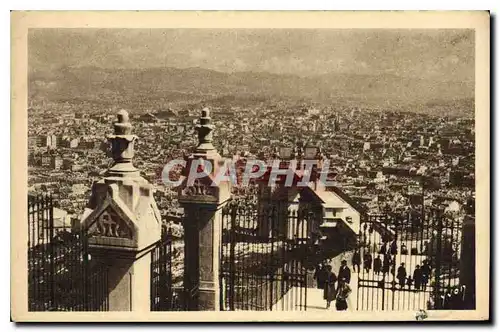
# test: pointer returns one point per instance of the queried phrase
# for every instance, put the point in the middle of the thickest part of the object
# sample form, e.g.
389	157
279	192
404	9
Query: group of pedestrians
421	276
385	262
367	261
420	279
335	287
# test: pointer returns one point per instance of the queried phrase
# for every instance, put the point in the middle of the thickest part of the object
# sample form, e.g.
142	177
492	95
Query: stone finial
205	132
123	126
122	146
205	113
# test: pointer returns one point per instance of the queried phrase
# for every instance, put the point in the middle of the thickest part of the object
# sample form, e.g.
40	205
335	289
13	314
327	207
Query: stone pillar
123	224
202	234
468	262
202	202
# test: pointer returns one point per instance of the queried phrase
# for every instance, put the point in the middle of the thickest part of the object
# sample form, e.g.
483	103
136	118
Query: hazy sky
439	54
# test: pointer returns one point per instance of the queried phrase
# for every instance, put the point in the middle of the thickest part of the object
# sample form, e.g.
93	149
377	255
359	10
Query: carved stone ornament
109	226
199	189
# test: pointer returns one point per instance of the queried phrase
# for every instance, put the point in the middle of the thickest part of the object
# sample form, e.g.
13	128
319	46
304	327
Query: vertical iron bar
51	244
437	274
232	244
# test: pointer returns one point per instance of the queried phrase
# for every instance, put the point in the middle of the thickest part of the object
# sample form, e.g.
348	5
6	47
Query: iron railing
61	275
262	256
408	263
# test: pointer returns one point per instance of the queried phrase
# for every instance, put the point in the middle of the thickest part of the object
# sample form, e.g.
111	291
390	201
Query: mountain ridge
91	83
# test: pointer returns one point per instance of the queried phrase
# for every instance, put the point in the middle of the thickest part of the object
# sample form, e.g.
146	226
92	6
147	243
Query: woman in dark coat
342	294
426	273
329	290
417	277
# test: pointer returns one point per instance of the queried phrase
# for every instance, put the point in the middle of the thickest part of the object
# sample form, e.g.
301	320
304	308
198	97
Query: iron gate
167	288
407	262
162	295
263	256
61	274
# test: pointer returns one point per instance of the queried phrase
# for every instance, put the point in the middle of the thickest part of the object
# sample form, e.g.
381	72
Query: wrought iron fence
162	295
262	256
166	295
406	263
61	275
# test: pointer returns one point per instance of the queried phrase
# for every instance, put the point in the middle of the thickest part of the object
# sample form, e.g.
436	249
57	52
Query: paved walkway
368	298
315	301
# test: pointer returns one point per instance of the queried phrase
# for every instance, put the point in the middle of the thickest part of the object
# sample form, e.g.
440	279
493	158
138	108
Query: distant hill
197	85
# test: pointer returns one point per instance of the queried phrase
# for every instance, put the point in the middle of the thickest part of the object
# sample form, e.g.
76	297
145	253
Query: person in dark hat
401	276
417	277
344	271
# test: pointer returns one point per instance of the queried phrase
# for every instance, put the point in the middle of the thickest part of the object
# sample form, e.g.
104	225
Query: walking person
417	277
401	276
356	260
394	247
320	276
386	265
317	268
344	272
377	265
329	290
426	274
343	292
367	262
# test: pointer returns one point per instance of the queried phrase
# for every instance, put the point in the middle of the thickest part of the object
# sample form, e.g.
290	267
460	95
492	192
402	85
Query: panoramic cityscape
392	111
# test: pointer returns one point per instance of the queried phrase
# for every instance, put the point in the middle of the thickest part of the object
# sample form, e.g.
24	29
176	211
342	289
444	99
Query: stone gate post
202	201
123	224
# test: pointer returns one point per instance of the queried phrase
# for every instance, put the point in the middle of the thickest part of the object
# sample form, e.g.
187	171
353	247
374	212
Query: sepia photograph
275	169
